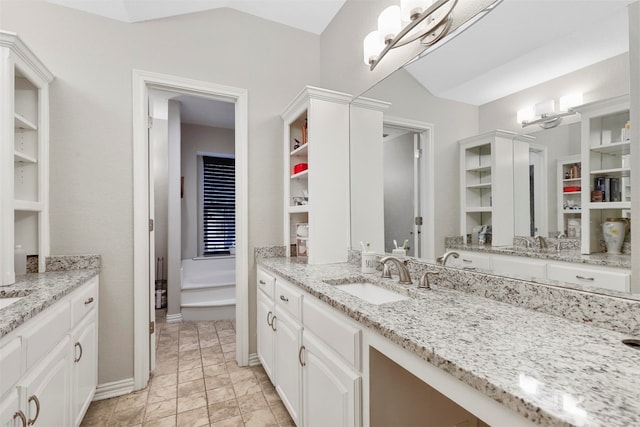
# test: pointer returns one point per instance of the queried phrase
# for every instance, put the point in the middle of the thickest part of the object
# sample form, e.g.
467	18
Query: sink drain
632	343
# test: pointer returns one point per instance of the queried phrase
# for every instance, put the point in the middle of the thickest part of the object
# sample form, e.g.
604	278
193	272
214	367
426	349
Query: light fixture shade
545	108
389	23
372	46
567	102
411	8
525	115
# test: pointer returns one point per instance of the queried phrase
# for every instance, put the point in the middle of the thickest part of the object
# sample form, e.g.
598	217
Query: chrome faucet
424	280
541	241
405	276
442	260
562	235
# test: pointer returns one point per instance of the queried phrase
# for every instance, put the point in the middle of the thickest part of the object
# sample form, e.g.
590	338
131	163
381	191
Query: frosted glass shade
545	107
525	115
372	46
389	23
567	102
409	8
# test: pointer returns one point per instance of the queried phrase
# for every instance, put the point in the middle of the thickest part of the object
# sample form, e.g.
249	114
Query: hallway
197	382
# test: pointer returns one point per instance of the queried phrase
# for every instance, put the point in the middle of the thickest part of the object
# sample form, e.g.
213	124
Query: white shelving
24	154
566	199
605	162
490	174
316	132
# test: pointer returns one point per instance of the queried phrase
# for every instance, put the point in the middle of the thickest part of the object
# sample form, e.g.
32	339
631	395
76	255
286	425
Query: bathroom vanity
48	348
465	358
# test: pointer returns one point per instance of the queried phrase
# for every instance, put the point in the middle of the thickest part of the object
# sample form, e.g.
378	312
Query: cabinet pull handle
584	277
34	398
283	298
268	316
273	323
262	282
466	260
302	363
88	301
78	345
469	268
20	415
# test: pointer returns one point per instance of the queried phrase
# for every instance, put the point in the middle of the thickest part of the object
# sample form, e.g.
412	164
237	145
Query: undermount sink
371	293
4	302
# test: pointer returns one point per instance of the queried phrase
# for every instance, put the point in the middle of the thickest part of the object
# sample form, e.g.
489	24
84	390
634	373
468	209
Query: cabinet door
46	389
287	343
265	334
84	371
10	413
331	389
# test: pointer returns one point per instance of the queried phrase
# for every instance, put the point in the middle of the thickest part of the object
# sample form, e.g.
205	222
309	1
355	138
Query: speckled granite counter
551	370
41	290
565	255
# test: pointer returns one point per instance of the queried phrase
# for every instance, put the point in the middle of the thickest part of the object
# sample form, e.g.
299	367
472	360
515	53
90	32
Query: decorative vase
613	230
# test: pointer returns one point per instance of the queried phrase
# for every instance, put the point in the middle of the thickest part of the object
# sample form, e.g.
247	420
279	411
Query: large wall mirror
405	172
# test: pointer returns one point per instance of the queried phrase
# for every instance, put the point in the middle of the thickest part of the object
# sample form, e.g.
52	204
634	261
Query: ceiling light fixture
544	113
425	20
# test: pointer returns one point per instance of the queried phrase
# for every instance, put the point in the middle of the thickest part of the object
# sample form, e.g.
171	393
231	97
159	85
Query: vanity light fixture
425	20
544	113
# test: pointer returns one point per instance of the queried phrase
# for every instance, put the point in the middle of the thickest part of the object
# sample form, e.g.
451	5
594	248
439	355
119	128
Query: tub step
213	310
209	293
204	284
217	303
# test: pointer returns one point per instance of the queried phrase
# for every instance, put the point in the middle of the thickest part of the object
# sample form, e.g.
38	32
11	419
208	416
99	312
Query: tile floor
196	383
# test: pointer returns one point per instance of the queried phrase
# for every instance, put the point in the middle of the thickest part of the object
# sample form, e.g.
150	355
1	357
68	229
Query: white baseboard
254	360
113	389
174	318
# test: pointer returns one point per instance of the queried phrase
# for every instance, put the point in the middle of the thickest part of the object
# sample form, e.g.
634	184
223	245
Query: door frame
427	181
142	81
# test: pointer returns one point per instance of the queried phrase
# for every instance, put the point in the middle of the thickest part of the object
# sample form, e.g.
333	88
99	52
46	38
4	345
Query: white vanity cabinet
592	276
518	265
49	364
24	154
310	353
470	261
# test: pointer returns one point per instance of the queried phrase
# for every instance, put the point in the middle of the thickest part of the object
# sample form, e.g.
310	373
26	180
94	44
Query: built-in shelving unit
24	123
316	134
569	202
490	174
606	148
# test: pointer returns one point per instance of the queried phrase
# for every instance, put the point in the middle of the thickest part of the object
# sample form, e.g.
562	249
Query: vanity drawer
85	300
471	260
344	338
600	278
520	266
266	282
289	298
47	330
10	369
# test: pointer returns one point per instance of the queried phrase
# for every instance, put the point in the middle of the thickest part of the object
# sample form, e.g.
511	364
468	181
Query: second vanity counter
550	370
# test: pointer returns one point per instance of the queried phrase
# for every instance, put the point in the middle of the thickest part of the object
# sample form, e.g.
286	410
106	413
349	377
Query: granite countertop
565	255
40	290
551	370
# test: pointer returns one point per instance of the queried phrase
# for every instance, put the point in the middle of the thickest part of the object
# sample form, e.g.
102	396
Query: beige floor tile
260	418
216	381
227	333
229	422
212	351
244	387
190	354
252	402
190	375
192	401
187	364
223	410
220	394
213	359
229	355
226	348
270	393
280	413
169	421
194	418
166	367
241	375
158	410
189	346
214	370
162	394
99	412
228	339
127	417
232	365
165	380
191	387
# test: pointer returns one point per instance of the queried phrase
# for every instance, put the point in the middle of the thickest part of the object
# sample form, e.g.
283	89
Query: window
218	205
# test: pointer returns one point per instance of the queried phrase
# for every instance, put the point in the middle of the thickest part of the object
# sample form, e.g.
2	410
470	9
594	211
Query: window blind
218	204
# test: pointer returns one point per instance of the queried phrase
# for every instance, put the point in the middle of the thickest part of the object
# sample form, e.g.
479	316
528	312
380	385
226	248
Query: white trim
254	360
142	82
173	318
428	198
113	389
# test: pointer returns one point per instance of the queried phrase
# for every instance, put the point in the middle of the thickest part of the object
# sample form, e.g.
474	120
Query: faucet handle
386	271
424	280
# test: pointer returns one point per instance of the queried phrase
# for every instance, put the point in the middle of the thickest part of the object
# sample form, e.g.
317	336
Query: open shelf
21	122
479	169
609	205
479	209
302	150
621	148
613	173
299	209
482	186
26	205
301	175
19	157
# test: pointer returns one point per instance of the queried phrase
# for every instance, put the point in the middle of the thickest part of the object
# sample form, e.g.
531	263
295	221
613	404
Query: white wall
159	140
174	213
203	139
91	130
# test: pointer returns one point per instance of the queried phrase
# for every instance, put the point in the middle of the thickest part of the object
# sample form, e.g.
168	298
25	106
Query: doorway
144	262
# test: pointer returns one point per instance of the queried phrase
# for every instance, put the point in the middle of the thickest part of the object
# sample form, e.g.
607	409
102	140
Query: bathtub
208	288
